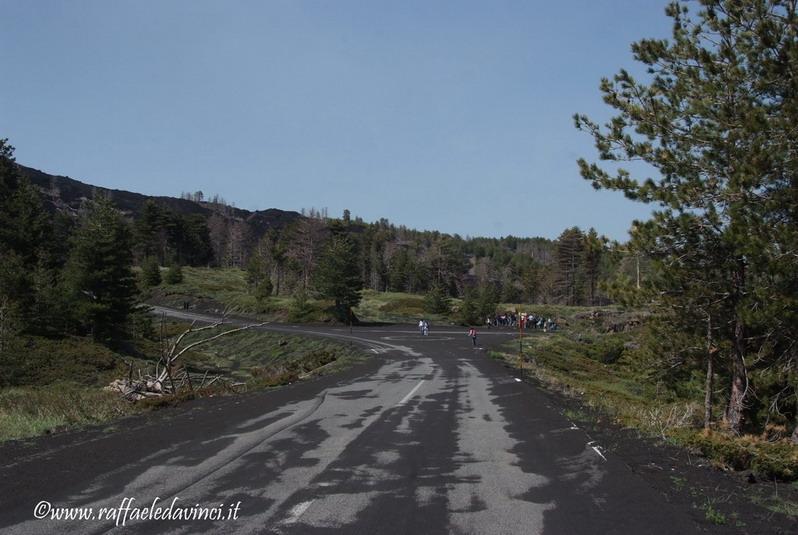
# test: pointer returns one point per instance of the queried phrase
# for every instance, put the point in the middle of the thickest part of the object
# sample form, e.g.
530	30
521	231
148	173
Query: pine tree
174	275
25	237
592	252
469	307
716	120
437	301
150	272
149	232
98	278
338	276
570	269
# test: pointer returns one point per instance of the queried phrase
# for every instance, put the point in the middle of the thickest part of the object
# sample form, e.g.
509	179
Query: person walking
472	332
421	327
425	328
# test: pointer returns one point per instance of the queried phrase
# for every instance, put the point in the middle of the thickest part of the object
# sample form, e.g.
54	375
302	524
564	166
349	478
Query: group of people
527	321
423	327
509	319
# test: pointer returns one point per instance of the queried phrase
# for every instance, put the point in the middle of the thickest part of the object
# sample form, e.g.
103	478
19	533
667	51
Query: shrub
174	275
437	302
151	272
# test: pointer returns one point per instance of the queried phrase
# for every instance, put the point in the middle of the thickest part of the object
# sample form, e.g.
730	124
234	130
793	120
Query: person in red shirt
472	332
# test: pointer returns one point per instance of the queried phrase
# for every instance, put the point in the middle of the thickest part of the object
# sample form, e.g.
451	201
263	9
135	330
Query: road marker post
520	342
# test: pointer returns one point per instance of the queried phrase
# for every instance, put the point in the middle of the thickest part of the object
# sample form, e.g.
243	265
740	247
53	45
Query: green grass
606	372
42	361
52	385
712	514
226	288
30	411
220	289
251	355
778	504
396	307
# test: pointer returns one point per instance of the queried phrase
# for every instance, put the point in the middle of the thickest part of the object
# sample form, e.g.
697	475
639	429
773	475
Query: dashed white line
297	511
410	394
598	452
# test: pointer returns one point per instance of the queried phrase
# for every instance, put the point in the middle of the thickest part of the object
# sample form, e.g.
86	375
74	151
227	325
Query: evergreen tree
570	268
174	275
25	237
337	275
258	274
716	120
99	279
149	232
437	301
150	272
592	252
469	308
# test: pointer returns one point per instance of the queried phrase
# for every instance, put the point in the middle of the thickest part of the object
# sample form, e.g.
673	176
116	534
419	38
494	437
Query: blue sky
453	116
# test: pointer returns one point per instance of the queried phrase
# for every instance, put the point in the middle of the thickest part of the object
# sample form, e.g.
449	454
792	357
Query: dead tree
163	381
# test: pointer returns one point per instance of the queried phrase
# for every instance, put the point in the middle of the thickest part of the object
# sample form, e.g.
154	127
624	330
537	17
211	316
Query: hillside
226	223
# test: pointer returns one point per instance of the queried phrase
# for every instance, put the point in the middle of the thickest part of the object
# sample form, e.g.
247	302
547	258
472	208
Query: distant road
429	435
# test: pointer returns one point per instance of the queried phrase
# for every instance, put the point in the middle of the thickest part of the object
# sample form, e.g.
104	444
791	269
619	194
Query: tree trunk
794	437
710	373
739	384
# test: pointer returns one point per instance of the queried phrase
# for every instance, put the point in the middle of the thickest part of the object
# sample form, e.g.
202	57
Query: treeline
59	274
572	270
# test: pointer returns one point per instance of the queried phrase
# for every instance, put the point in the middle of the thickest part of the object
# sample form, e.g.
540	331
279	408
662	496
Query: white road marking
599	452
410	394
297	511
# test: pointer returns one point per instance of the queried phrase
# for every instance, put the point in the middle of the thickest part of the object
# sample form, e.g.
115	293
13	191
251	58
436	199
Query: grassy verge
607	373
216	289
32	411
397	307
56	385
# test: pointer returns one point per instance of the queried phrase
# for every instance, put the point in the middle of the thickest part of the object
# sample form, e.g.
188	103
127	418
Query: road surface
429	435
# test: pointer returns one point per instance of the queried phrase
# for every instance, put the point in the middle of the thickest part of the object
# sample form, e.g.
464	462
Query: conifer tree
151	272
716	121
337	275
25	236
437	301
570	280
99	279
174	275
149	232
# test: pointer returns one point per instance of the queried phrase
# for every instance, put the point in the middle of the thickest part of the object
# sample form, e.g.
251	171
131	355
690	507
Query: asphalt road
429	435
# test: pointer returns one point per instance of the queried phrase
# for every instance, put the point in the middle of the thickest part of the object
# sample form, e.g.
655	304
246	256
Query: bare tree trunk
794	436
710	375
739	384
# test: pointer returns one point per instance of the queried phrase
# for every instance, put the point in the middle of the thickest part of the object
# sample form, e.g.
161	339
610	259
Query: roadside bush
174	274
768	460
437	302
607	349
150	273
